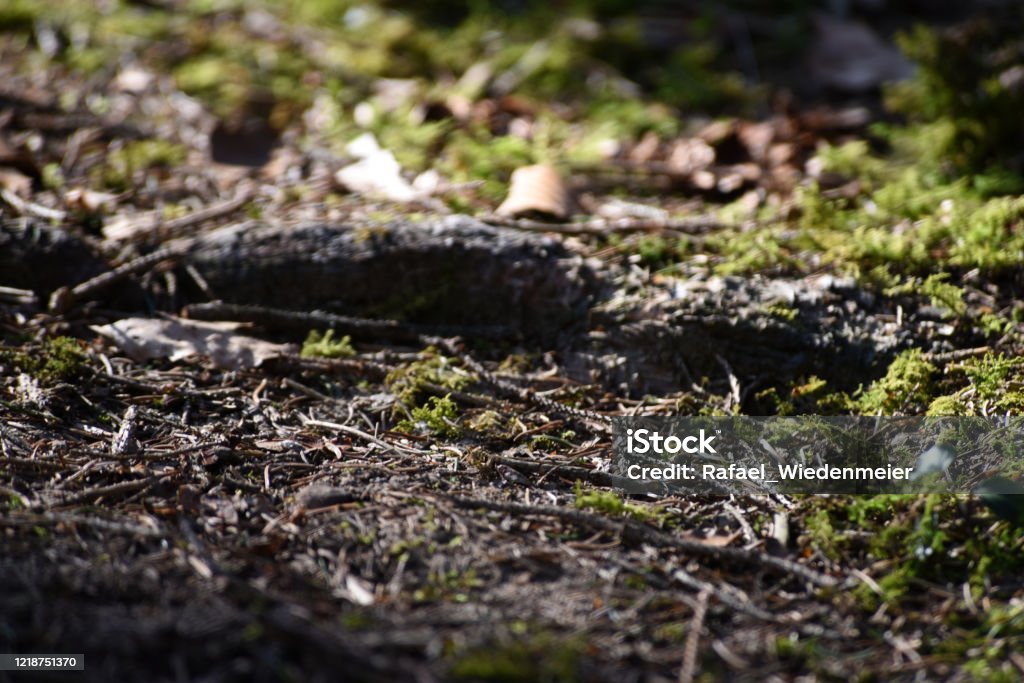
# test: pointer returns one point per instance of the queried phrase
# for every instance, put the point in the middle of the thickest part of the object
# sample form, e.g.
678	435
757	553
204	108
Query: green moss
123	166
854	160
325	346
821	534
406	381
993	325
962	82
437	417
552	442
988	385
476	155
450	585
943	294
783	311
219	81
610	503
52	176
414	143
653	250
673	632
946	406
910	216
60	359
540	658
765	250
905	387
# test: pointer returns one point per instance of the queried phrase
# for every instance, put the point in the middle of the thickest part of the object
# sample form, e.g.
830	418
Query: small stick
342	324
689	667
64	299
27	208
352	431
13	295
112	490
601	226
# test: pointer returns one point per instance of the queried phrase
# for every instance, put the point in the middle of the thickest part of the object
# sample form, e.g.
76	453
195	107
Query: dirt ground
428	498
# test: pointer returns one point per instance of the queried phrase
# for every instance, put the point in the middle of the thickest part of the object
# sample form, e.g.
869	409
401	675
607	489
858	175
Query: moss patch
60	359
541	658
326	346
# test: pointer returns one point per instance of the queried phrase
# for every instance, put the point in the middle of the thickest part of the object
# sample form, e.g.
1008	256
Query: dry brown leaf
757	138
689	155
645	150
176	338
717	132
714	541
78	198
537	189
15	181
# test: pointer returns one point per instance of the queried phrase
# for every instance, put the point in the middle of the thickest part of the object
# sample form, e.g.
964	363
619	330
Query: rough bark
36	256
452	271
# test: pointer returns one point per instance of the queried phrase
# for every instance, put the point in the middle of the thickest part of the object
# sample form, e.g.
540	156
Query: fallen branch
689	667
603	226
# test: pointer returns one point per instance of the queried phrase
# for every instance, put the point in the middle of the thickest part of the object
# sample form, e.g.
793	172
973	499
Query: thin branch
689	667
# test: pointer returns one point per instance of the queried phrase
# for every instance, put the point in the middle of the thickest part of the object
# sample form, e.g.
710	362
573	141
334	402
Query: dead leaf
537	189
714	541
704	180
645	150
716	132
177	338
689	155
319	495
757	138
360	591
81	199
134	80
15	181
377	173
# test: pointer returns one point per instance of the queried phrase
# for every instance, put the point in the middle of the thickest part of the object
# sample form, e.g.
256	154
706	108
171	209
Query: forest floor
426	498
